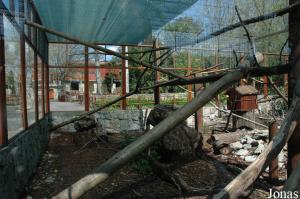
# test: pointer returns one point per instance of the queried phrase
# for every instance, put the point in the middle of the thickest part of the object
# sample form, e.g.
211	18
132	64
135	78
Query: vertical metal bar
43	88
28	15
174	60
23	66
3	111
124	101
273	167
218	96
157	77
35	71
265	79
286	76
12	7
294	45
190	89
196	113
104	57
35	79
265	87
47	88
86	79
199	114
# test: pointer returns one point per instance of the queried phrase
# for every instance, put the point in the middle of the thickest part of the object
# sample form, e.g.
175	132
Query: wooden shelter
242	98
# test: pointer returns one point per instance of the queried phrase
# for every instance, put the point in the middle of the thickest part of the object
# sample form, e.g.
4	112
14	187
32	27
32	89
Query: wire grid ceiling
212	15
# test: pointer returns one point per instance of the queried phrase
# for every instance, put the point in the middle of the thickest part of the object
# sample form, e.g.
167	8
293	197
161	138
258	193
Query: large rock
236	145
242	152
250	158
260	148
181	140
85	124
247	140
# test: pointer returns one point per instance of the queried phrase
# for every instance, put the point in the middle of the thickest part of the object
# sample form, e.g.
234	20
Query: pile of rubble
244	145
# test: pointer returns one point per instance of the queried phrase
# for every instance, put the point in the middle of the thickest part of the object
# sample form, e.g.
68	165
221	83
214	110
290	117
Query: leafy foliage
184	24
142	164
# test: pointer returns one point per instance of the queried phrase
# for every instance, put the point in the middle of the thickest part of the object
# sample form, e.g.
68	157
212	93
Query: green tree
184	25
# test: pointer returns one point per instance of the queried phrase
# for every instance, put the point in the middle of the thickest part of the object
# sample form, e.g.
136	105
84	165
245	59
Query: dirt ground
66	161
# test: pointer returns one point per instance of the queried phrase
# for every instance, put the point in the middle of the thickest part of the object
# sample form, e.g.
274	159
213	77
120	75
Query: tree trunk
293	182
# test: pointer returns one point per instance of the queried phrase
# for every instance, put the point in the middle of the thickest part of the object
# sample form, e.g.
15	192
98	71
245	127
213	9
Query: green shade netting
108	21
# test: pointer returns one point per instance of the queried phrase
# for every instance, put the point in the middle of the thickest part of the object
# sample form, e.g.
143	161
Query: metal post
286	76
157	77
199	113
265	87
124	101
47	88
43	88
12	7
265	79
35	72
3	112
218	96
294	45
273	167
86	79
174	60
35	78
23	66
28	16
190	89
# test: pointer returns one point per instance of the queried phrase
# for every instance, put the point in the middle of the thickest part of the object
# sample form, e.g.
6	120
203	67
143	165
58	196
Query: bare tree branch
102	49
260	18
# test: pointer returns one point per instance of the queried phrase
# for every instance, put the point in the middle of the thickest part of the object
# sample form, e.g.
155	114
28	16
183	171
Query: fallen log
241	183
131	151
228	138
221	142
293	182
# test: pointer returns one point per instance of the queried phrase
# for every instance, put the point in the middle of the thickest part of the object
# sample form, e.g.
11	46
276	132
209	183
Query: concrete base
19	159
